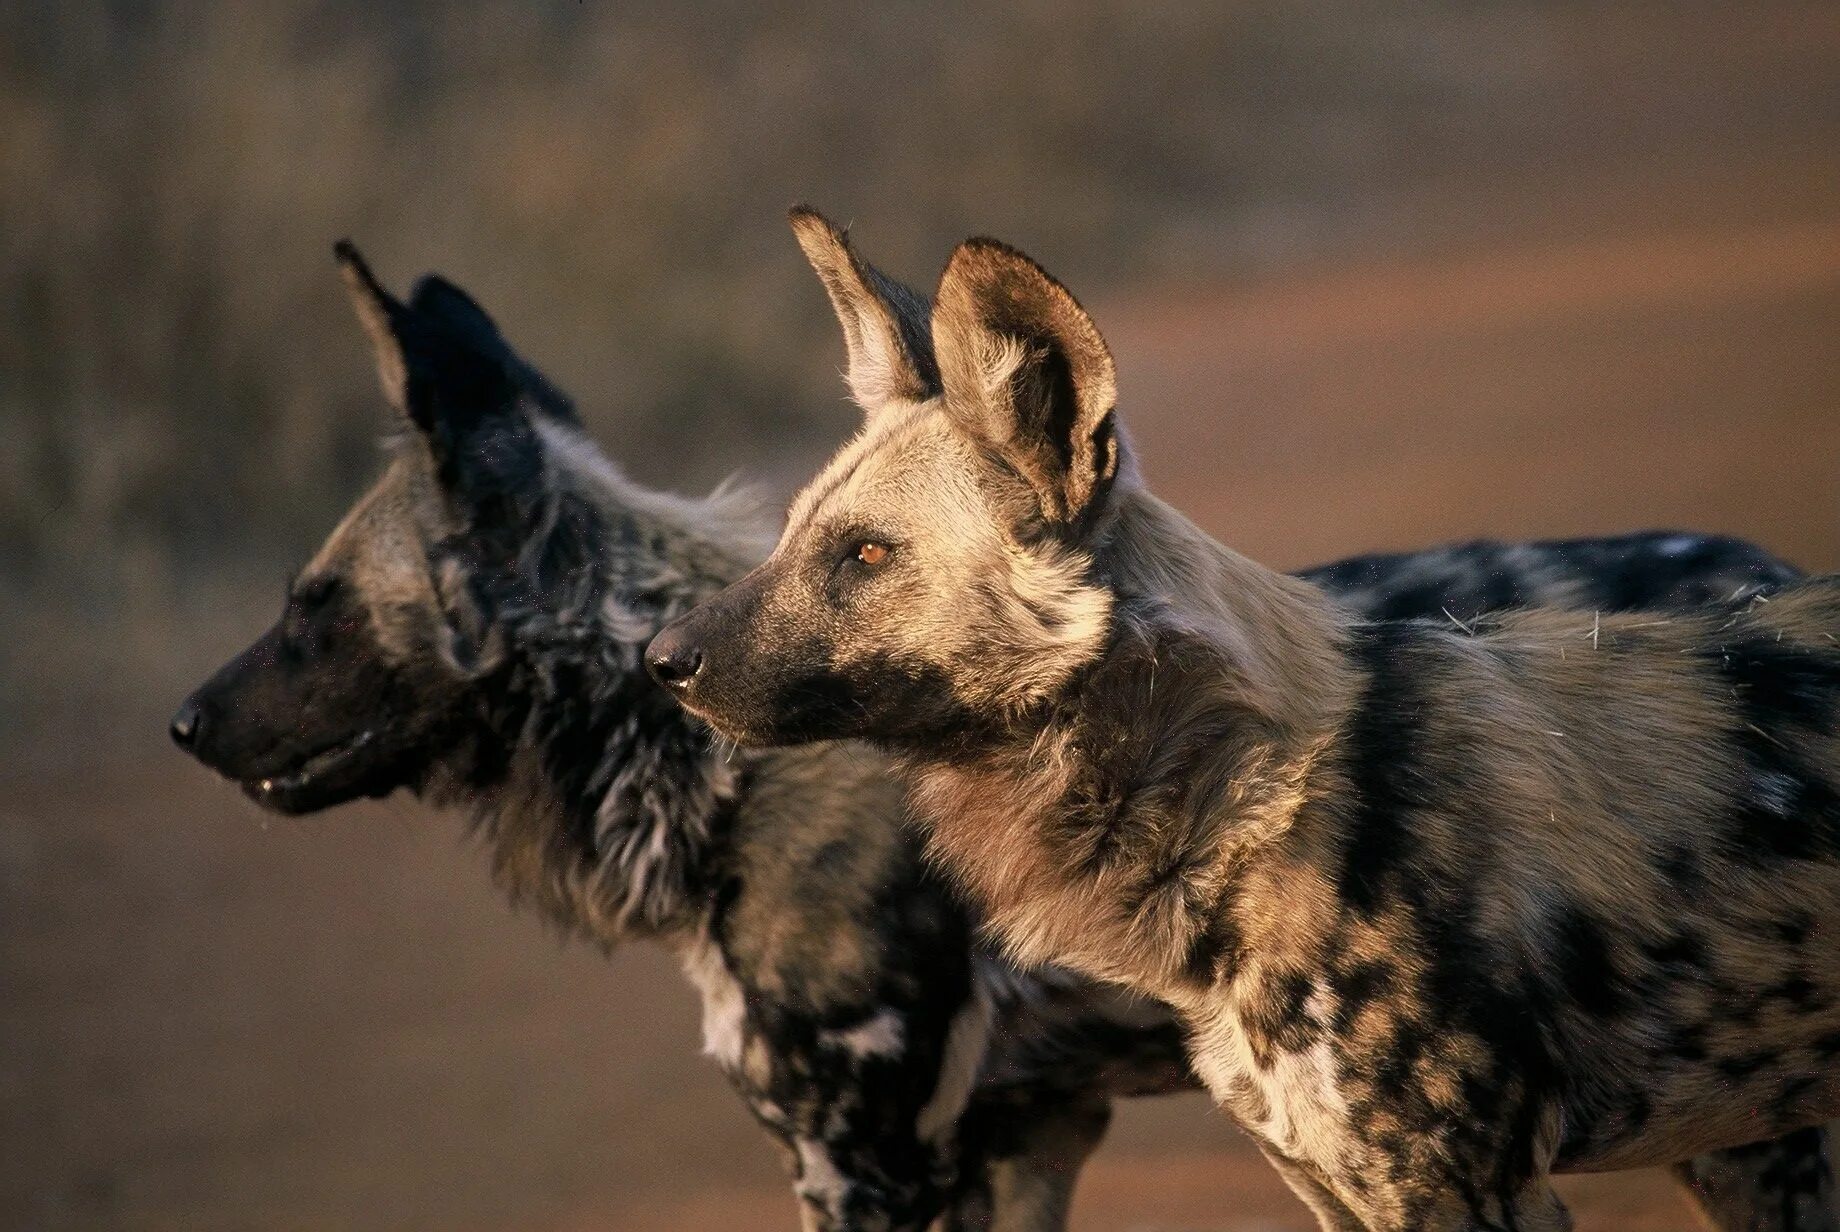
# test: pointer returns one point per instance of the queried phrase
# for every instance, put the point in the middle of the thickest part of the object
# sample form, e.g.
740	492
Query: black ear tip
353	263
802	215
986	245
435	293
808	222
357	274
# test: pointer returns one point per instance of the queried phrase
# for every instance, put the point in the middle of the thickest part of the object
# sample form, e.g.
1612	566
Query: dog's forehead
382	531
904	461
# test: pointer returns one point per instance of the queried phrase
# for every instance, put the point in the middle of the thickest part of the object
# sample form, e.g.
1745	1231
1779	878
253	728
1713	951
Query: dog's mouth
321	779
721	726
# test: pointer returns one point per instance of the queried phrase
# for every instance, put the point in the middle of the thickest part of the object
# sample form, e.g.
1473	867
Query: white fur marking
879	1036
730	515
1307	1105
967	1040
820	1183
724	1005
1306	1110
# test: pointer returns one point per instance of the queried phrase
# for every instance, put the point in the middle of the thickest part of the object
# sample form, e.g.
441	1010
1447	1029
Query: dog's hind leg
1785	1184
1022	1155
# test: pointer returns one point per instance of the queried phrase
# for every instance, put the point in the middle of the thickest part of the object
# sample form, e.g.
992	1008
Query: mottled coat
1444	906
472	631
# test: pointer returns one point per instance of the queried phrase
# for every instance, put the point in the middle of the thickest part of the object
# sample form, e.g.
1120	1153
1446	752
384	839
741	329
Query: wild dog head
938	572
379	664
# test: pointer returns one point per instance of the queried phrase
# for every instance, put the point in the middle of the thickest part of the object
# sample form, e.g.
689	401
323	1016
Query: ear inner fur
884	323
1027	375
378	311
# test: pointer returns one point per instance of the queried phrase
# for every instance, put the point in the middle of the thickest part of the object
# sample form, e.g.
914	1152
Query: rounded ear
440	300
436	299
441	359
447	369
438	365
1027	375
884	323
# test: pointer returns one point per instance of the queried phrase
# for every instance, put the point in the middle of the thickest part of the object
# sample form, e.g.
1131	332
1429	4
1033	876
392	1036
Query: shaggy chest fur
842	993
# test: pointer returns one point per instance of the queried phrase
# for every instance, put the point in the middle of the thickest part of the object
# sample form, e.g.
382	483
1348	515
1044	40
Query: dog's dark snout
673	660
187	724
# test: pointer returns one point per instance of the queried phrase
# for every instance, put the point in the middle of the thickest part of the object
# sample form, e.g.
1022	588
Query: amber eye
871	553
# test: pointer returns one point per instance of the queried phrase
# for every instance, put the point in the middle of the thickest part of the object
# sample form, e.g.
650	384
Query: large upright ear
440	359
384	318
444	365
884	323
438	300
1027	375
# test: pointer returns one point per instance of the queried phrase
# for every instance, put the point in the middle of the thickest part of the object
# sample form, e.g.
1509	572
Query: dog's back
1452	588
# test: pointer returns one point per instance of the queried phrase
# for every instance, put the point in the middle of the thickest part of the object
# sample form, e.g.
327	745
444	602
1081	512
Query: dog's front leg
1020	1156
849	1184
854	1109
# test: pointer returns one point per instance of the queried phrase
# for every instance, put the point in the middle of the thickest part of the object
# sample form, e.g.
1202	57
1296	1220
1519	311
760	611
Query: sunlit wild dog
1444	906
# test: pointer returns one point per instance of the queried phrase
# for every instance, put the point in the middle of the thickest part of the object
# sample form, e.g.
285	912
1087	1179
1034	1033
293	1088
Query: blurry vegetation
183	394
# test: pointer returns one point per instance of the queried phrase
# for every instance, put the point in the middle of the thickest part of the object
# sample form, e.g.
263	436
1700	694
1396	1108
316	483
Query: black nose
187	723
673	662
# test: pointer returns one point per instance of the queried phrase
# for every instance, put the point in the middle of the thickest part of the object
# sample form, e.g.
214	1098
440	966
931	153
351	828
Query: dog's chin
734	733
749	731
347	771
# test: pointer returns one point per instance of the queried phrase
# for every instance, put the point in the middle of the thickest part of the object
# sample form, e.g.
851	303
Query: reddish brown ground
215	1020
218	1020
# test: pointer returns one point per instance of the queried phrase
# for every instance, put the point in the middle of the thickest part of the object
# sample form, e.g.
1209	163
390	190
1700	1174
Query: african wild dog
472	632
1444	905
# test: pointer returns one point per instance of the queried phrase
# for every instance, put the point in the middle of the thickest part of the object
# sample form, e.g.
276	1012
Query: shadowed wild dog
1444	906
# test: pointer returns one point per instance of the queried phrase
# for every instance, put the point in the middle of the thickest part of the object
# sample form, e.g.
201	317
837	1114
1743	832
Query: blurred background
1375	276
